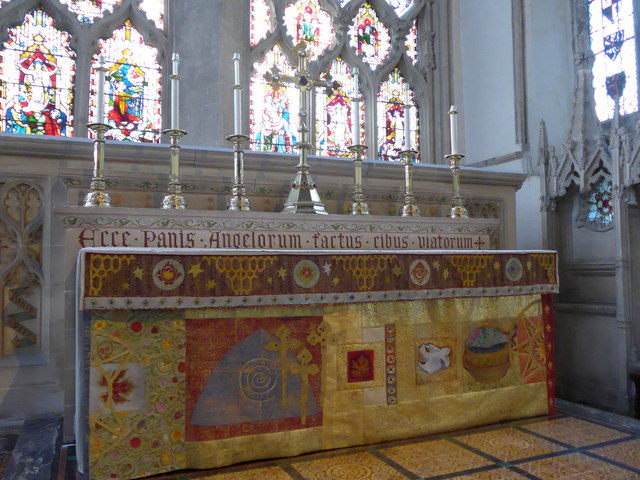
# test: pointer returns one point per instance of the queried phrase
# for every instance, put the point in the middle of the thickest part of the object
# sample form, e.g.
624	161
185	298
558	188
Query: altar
199	358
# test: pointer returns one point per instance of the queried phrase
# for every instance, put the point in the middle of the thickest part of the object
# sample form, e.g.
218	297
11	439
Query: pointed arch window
613	42
411	43
154	9
335	114
338	41
88	10
36	78
261	22
133	86
274	105
391	118
400	6
306	21
370	37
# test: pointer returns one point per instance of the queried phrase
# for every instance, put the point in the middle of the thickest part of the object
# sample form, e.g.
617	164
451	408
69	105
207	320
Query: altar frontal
204	358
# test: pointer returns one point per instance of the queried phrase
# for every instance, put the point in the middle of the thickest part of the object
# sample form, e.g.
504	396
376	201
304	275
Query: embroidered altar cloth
204	358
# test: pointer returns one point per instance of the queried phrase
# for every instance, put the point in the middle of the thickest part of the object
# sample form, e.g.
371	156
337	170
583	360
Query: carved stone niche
22	216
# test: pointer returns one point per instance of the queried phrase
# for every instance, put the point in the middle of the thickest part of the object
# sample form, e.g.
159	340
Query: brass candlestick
174	200
98	197
359	206
410	209
238	201
457	205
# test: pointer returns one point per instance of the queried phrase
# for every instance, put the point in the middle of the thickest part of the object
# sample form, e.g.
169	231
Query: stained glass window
88	10
369	37
335	117
600	204
36	78
615	68
400	6
154	10
260	21
306	21
133	87
391	123
412	43
344	2
274	105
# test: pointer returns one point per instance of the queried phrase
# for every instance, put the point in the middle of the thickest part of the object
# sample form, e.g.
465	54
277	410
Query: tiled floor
562	447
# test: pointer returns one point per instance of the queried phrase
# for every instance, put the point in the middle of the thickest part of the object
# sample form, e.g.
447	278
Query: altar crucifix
303	197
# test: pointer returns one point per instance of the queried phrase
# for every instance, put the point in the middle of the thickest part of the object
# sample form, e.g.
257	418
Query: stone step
36	453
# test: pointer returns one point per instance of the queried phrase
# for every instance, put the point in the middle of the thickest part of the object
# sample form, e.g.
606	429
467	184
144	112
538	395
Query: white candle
407	119
237	96
453	119
100	90
356	106
175	93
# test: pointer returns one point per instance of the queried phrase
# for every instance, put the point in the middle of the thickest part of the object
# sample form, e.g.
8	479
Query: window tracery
364	40
615	72
39	71
36	86
133	86
274	105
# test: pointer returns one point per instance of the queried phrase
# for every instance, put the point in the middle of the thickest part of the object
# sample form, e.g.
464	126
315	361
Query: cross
303	196
305	82
479	243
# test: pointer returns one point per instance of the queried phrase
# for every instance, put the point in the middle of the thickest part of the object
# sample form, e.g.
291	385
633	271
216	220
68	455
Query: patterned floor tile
509	444
268	473
625	452
576	466
437	457
495	474
575	431
356	466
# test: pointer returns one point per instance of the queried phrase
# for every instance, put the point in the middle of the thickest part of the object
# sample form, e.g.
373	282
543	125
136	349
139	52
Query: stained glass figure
260	22
400	6
133	86
274	105
335	117
391	131
369	37
88	10
614	46
600	204
37	71
411	43
305	20
154	10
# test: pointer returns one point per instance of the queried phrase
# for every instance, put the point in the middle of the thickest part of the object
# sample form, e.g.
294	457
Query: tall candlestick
100	90
407	119
453	119
237	96
175	93
356	106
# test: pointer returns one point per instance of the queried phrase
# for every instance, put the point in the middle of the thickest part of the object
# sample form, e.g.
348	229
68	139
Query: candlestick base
174	199
457	209
238	202
359	206
303	196
409	209
98	197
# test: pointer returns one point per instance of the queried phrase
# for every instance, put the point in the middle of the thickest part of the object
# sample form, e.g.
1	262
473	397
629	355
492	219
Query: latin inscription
275	240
